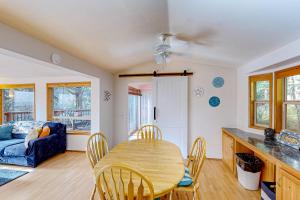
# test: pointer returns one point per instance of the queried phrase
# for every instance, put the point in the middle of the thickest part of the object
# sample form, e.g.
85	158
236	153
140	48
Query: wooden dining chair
121	182
97	148
195	162
149	132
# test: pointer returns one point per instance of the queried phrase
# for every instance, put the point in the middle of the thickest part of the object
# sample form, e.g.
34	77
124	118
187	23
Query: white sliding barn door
170	99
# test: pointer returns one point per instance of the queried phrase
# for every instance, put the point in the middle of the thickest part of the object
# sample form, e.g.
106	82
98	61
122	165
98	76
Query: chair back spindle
196	157
121	182
97	148
149	132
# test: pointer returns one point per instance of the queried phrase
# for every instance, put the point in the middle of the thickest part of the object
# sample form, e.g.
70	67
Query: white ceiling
119	34
16	67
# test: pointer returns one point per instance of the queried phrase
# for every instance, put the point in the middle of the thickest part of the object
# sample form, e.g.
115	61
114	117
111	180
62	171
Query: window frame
280	96
135	92
252	100
50	87
16	86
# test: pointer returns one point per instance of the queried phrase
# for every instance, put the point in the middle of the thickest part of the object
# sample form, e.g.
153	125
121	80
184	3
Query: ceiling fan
169	42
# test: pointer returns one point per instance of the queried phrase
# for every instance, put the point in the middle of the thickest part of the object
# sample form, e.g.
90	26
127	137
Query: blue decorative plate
214	101
218	82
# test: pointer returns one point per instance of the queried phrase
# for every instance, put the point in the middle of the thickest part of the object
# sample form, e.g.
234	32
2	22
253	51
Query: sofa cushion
6	143
5	132
15	150
22	128
45	132
33	134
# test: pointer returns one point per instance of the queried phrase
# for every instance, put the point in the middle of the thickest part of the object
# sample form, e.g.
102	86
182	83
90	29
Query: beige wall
20	43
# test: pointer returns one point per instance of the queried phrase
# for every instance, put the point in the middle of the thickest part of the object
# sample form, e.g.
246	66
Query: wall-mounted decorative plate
199	92
214	101
218	82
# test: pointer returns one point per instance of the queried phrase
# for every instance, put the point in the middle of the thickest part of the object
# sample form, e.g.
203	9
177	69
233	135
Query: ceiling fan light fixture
162	48
162	58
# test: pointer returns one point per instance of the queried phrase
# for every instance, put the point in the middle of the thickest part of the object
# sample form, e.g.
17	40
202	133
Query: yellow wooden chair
195	162
121	182
149	132
97	148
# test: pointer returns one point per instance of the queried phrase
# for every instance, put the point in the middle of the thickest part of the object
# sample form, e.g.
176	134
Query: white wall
74	142
15	41
203	119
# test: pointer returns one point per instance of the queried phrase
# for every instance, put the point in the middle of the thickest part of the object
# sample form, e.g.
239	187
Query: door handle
154	113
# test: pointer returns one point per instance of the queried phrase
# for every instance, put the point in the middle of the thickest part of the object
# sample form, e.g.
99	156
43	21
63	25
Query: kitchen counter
281	152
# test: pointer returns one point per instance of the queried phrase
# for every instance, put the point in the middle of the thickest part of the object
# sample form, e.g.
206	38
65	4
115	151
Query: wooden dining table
160	161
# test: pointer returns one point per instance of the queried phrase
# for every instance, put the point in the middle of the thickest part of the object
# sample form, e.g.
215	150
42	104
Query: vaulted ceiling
119	34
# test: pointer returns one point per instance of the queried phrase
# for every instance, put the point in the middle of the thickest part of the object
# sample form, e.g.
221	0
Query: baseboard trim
214	159
78	151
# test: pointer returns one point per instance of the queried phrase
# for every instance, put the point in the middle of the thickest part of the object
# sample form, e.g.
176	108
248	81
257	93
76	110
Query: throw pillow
33	134
45	132
5	132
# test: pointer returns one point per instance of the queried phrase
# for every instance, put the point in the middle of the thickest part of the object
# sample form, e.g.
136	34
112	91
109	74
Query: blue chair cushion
186	180
186	169
5	132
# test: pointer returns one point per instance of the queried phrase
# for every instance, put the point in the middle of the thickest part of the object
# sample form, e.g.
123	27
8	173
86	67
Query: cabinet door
288	186
227	150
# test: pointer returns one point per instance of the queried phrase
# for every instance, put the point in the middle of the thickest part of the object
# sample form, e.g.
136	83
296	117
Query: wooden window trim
279	92
134	91
49	88
252	81
15	86
69	84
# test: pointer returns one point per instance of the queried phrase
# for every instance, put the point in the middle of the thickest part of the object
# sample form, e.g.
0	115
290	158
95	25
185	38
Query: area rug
7	175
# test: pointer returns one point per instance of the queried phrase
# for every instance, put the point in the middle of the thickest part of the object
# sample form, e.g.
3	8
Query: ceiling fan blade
178	53
199	38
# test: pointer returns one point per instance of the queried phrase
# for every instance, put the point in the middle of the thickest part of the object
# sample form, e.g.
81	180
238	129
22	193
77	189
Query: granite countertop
281	152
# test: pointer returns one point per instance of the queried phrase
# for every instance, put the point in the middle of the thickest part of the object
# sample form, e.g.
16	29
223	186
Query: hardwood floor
69	177
66	176
217	182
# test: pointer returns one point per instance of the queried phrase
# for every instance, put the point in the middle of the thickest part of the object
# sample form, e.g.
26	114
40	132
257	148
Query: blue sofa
13	151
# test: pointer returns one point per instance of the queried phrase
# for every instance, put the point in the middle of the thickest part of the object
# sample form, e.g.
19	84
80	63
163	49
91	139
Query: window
17	102
287	100
134	102
139	107
70	104
146	107
133	114
260	98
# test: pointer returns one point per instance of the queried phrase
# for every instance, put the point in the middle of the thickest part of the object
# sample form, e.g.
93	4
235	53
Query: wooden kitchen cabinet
288	186
268	170
228	151
286	176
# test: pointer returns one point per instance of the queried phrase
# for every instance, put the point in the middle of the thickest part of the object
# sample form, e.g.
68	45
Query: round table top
160	161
